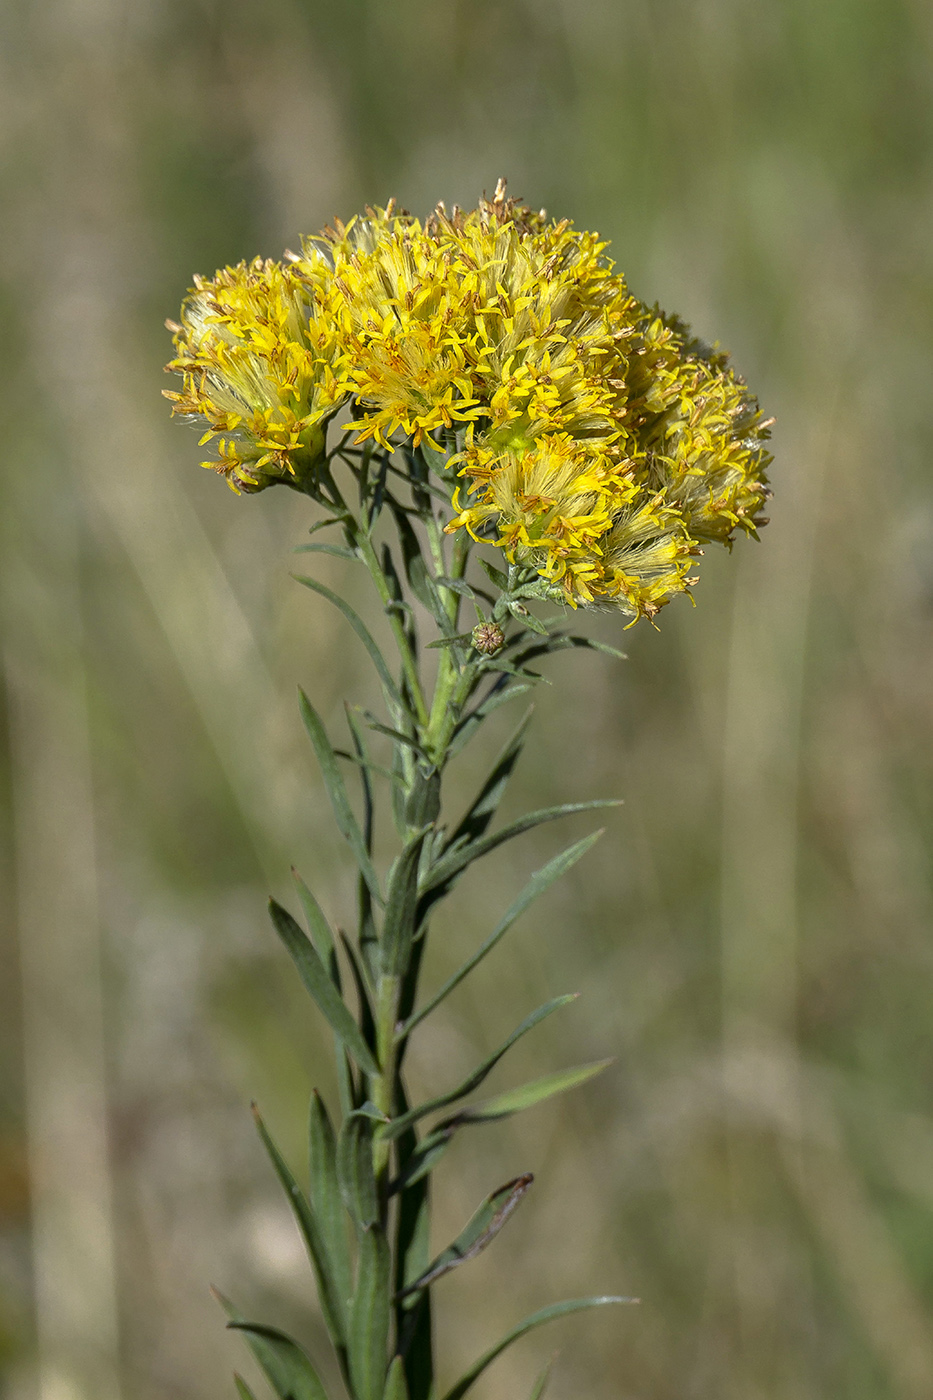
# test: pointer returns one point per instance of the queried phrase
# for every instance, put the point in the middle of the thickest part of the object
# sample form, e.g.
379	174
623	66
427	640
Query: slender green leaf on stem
541	1383
333	1304
443	873
456	585
369	1316
423	803
423	1159
367	764
340	551
486	803
326	1201
364	634
242	1389
413	1327
395	734
362	754
535	1320
498	695
527	1095
319	928
508	668
460	639
401	904
419	580
337	792
396	1384
474	1080
563	641
355	1168
358	968
287	1366
318	982
539	882
496	576
481	1231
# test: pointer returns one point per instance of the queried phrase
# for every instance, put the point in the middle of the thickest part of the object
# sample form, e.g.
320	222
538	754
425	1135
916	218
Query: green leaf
449	867
496	576
287	1366
474	1080
459	639
395	734
541	1383
337	792
456	585
423	1159
326	1201
364	634
355	1169
243	1389
285	1363
401	908
319	928
539	882
563	641
369	1316
318	982
340	551
358	969
486	803
527	1095
396	1384
333	1304
498	695
537	1319
477	1234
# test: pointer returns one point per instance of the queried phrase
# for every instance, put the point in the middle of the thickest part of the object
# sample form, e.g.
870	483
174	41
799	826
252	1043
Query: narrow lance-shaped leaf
333	1304
537	1319
242	1388
355	1168
326	1201
486	803
340	551
369	1316
527	1095
286	1365
423	1159
413	1326
539	882
396	1384
474	1080
401	908
444	872
477	1234
499	694
318	927
541	1383
337	792
393	695
318	982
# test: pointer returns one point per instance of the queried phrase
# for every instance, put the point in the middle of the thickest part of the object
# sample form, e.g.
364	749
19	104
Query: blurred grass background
753	934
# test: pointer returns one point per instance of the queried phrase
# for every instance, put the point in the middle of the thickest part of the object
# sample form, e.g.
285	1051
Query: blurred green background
753	934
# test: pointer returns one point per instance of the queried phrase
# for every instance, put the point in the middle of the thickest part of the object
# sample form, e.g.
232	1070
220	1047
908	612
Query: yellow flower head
599	443
257	365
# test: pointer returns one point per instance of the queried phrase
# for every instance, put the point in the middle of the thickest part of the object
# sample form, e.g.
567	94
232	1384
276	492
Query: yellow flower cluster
600	444
257	367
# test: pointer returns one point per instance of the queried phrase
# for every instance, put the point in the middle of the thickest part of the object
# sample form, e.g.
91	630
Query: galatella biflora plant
484	377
